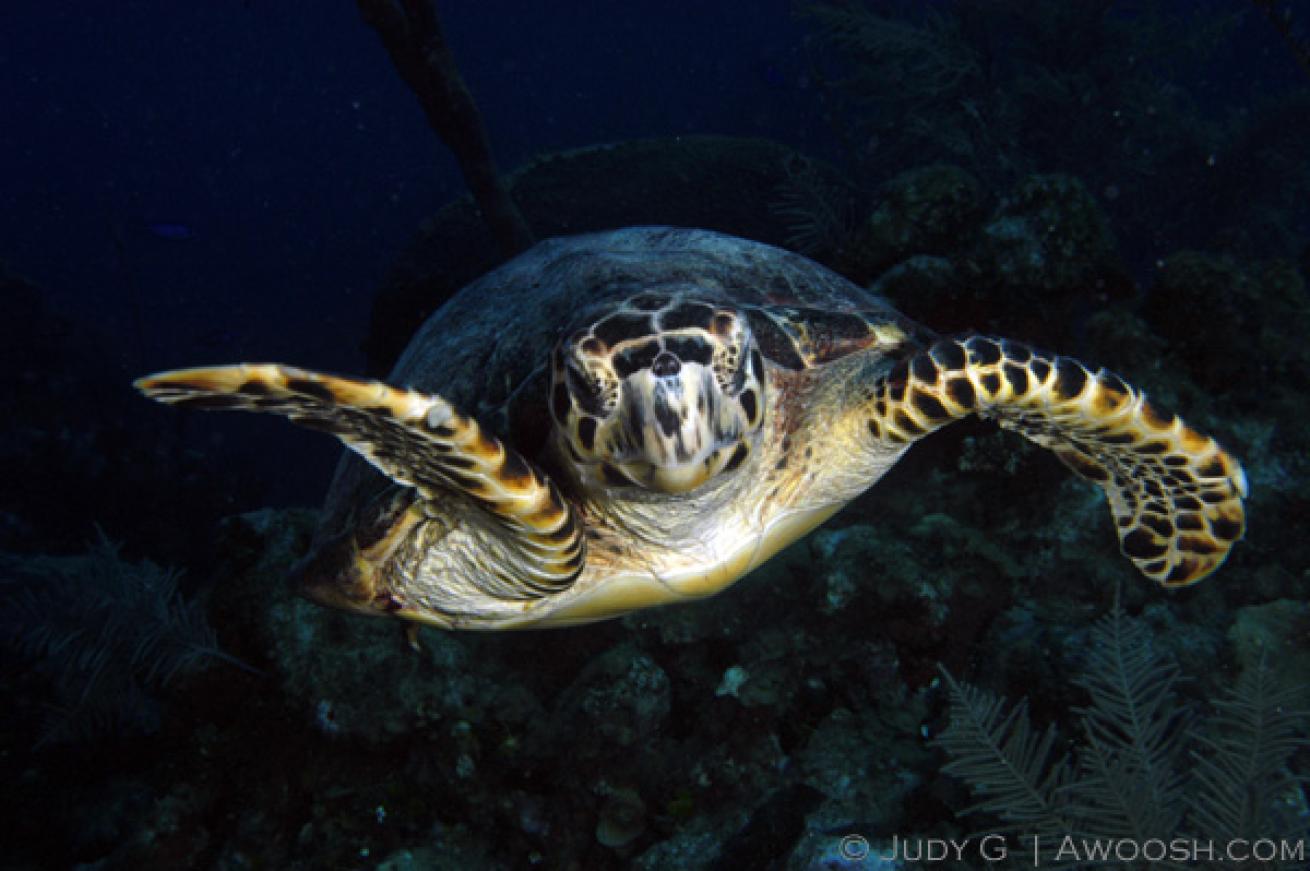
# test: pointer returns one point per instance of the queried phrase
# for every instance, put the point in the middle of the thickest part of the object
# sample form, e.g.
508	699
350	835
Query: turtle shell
487	350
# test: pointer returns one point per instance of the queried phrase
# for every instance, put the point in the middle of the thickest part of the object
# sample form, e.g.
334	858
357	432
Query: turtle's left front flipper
417	439
1176	495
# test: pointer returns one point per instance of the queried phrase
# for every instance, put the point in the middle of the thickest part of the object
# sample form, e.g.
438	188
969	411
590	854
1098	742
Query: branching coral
819	215
1143	769
107	634
894	59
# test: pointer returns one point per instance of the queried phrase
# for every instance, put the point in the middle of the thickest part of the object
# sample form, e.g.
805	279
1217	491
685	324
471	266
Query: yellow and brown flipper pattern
416	439
1176	495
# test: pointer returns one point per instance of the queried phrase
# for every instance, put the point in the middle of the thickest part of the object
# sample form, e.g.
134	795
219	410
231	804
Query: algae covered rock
622	818
620	700
928	210
1276	634
860	559
1040	264
1049	238
1232	322
864	766
348	677
922	283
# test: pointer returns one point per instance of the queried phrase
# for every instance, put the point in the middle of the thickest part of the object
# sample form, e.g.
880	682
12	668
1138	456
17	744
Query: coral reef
930	210
107	636
1049	239
1039	264
819	214
1200	301
1009	89
1143	770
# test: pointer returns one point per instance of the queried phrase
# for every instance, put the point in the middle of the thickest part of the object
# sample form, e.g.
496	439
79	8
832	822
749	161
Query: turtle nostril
666	365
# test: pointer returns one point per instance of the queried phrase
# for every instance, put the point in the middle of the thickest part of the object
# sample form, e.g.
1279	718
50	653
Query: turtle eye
733	344
587	390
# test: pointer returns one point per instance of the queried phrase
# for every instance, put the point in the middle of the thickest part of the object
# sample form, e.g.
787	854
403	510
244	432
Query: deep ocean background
279	135
195	183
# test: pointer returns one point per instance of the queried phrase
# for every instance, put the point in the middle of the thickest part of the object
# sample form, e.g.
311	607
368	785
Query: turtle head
663	394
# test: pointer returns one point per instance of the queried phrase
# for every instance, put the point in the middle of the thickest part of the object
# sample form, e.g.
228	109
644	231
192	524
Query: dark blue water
280	137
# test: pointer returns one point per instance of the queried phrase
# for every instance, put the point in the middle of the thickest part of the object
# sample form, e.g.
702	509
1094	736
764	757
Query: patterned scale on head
664	392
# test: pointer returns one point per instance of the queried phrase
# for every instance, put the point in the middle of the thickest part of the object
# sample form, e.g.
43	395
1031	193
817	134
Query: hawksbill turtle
626	419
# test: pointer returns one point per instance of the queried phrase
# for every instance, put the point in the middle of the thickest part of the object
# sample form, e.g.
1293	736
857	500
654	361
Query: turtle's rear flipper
1176	495
416	439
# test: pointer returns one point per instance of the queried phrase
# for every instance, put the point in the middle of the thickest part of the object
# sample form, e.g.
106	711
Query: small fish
772	73
173	232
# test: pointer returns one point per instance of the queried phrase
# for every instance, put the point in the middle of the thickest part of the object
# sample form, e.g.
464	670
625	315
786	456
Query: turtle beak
678	425
673	415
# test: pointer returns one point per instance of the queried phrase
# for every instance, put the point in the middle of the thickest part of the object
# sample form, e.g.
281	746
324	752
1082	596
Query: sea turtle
637	417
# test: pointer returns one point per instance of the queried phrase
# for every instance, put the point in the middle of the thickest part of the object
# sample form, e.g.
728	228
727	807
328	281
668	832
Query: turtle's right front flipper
416	439
1176	495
